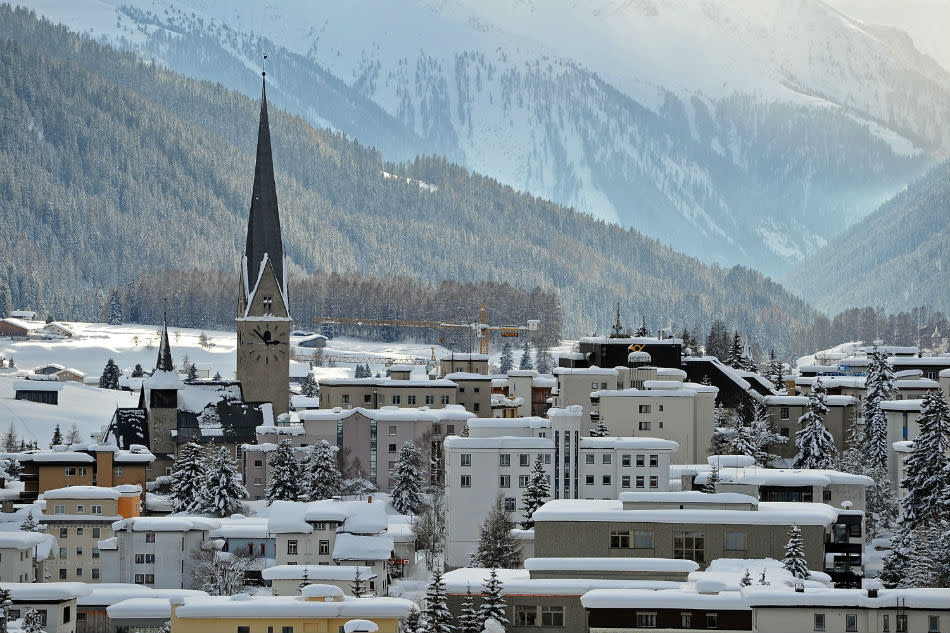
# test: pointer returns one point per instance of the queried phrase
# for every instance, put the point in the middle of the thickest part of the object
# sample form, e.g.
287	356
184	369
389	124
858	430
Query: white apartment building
575	384
79	517
155	551
54	602
23	554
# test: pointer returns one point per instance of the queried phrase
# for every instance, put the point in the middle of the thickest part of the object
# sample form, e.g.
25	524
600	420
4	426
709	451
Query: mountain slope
111	168
730	130
896	257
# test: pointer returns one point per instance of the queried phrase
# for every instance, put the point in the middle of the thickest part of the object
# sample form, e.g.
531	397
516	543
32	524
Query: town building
469	363
80	517
23	556
38	388
54	602
376	393
94	613
785	412
82	465
473	392
288	580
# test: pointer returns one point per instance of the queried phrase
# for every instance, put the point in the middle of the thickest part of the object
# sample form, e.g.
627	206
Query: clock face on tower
266	342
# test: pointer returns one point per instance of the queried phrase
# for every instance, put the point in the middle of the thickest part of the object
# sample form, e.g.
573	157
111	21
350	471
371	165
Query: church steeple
263	224
164	362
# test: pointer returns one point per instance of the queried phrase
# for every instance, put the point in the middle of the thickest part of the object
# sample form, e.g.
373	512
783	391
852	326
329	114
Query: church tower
263	320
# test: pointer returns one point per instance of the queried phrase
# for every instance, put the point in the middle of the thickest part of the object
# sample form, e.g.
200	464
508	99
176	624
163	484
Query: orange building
87	465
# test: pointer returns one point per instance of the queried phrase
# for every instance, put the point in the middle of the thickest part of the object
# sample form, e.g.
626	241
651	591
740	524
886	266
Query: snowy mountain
742	132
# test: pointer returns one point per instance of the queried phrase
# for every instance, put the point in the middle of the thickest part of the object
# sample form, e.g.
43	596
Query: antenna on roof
263	72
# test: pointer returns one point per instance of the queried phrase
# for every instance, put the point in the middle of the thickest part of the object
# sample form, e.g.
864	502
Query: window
589	480
504	481
117	471
595	385
933	624
783	413
62	574
643	539
64	552
819	621
345	398
67	615
605	480
79	571
71	471
644	408
510	504
735	541
430	399
619	539
625	461
526	616
640	461
150	537
522	481
589	458
661	409
524	460
59	509
391	448
96	532
63	532
79	531
625	481
140	559
367	397
244	629
646	620
445	399
686	620
901	623
654	481
80	508
552	616
95	509
712	620
324	548
639	481
783	431
397	398
851	622
450	428
95	552
504	459
258	463
886	628
466	481
392	430
461	389
644	426
654	461
465	459
689	546
606	458
547	458
292	547
286	629
826	496
150	558
411	399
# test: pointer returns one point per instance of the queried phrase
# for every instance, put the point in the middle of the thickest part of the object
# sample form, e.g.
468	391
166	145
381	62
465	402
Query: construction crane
481	328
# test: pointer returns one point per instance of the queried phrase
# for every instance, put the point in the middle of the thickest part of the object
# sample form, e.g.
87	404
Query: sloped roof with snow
348	546
358	517
316	572
774	596
243	606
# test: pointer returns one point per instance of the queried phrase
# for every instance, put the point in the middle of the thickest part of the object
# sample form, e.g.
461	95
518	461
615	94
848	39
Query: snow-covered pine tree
223	490
188	476
616	330
710	486
436	617
642	331
776	372
286	481
324	480
741	441
762	580
29	523
493	600
879	386
795	561
217	376
764	435
526	362
109	379
309	387
507	361
57	439
468	614
544	363
536	492
496	546
927	468
734	359
816	446
115	308
922	567
746	579
6	603
32	622
138	371
192	372
894	568
358	586
10	439
406	494
721	430
600	430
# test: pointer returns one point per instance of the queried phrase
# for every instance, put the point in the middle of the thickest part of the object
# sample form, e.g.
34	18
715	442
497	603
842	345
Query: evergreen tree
187	479
29	524
795	554
741	441
286	482
507	362
410	623
710	486
137	371
616	331
816	446
493	600
721	431
192	373
879	386
600	430
57	437
776	372
544	362
762	580
406	494
746	579
115	308
10	439
6	603
324	480
764	435
536	492
358	586
894	569
468	614
496	546
734	359
110	376
436	617
927	468
223	490
217	376
526	362
642	331
32	622
309	386
922	568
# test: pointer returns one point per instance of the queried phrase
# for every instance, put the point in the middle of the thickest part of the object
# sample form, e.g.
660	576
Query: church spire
164	362
263	224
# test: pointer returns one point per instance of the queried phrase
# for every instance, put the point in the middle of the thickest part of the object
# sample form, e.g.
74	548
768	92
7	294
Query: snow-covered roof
670	371
585	371
42	591
166	524
775	596
391	413
28	325
358	517
757	476
801	401
317	572
629	340
37	385
243	606
572	411
256	528
530	422
930	361
348	546
318	590
945	373
688	496
611	564
681	598
21	540
727	573
270	429
464	356
914	404
141	609
519	581
676	391
386	382
110	593
730	461
609	510
506	441
904	446
468	375
81	492
634	443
